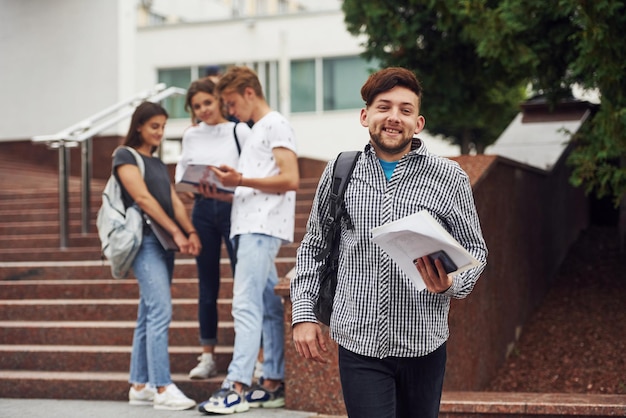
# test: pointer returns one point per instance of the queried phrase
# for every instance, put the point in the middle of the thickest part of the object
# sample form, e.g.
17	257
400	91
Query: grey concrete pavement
53	408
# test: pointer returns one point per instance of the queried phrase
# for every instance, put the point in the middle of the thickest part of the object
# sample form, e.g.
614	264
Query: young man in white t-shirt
262	220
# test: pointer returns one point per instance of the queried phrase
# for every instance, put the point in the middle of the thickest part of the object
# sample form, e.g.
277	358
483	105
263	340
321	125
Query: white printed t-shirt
255	211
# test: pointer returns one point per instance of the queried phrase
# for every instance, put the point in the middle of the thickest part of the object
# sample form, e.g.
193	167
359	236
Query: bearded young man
391	336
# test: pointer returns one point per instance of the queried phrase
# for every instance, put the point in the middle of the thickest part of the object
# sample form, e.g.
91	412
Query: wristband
193	231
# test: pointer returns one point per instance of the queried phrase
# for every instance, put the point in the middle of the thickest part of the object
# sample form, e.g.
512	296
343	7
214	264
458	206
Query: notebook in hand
162	235
198	173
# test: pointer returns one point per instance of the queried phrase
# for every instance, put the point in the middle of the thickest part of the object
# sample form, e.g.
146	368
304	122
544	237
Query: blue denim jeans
257	310
211	218
153	268
392	387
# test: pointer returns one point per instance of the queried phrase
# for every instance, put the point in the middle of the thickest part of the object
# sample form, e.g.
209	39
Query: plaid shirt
377	311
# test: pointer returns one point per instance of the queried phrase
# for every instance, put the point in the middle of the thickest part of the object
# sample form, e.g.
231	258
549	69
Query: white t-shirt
211	144
254	211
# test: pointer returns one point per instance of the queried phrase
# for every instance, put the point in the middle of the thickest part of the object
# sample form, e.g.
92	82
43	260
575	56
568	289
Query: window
324	84
316	84
267	71
343	78
303	86
177	77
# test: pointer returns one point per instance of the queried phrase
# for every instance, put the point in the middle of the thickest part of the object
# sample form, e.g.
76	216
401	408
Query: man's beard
397	148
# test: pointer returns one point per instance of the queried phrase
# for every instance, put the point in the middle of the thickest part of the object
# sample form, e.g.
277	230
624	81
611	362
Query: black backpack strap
237	139
342	171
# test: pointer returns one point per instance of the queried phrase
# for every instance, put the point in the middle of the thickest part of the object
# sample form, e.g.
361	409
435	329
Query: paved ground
52	408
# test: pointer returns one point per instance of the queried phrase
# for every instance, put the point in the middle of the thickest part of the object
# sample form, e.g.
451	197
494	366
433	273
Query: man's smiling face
393	119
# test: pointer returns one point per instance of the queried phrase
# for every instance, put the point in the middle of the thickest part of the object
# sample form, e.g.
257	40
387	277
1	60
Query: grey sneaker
260	397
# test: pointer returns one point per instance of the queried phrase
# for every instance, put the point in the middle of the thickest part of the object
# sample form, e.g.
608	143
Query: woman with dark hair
153	266
212	141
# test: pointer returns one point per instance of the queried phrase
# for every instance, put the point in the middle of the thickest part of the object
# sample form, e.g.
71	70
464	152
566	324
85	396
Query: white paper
415	236
197	173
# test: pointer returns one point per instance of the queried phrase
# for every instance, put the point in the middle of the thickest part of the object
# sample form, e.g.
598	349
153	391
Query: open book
196	173
417	235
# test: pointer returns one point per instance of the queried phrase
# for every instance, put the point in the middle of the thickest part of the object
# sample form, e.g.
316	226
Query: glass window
267	71
343	78
303	86
177	77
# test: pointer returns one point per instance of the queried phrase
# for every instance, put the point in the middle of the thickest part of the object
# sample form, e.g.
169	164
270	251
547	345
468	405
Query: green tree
467	98
557	43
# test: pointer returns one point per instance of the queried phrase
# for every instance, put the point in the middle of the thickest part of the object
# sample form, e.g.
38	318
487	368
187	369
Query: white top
255	211
211	144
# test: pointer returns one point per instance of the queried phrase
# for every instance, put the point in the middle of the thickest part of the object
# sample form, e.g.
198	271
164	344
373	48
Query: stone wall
530	218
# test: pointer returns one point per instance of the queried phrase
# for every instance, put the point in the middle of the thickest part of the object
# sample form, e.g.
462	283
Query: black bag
342	171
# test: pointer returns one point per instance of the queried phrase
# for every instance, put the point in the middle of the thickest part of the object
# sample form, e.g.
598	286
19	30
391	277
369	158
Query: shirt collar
417	147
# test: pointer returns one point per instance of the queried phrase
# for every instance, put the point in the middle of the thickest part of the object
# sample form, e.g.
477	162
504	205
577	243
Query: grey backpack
120	230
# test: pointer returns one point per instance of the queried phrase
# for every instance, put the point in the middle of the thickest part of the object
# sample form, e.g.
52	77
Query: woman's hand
211	192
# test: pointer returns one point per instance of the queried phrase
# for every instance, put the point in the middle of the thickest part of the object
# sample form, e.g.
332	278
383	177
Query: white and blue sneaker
225	401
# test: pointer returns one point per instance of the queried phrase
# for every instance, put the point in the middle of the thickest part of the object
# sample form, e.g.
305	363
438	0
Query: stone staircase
65	325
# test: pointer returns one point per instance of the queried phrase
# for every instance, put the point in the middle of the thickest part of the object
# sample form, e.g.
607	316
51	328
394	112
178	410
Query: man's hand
310	341
228	175
434	275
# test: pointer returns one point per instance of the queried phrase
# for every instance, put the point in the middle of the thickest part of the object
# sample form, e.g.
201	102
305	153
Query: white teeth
392	131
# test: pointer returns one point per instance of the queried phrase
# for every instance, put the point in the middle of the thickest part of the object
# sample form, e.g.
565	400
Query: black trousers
393	387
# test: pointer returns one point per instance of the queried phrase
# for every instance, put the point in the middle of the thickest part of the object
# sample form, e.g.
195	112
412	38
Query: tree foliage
557	43
473	55
467	98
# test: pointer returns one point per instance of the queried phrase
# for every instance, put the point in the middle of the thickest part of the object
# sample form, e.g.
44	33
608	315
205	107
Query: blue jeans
211	218
257	310
392	387
153	268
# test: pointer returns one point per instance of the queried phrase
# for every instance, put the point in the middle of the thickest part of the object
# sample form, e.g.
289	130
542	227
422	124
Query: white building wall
59	63
278	38
64	60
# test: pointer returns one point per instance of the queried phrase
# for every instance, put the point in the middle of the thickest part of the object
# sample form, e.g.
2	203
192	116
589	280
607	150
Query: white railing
81	134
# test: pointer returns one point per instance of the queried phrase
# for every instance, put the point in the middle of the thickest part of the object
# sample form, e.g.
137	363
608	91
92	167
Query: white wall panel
59	63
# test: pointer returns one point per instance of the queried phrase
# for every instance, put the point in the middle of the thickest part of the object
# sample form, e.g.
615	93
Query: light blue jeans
257	310
153	268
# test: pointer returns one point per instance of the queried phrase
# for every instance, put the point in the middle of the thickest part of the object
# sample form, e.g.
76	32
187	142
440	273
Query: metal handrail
81	133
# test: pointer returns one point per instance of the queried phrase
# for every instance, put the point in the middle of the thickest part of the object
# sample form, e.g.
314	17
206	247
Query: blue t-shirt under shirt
388	167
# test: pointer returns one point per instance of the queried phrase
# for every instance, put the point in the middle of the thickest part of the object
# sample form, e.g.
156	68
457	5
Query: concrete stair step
33	241
24	272
44	227
530	405
106	289
91	385
91	253
47	202
97	309
182	333
38	234
38	215
96	358
51	254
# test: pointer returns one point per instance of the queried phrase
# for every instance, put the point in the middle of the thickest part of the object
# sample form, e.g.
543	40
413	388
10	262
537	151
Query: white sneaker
258	370
172	399
205	369
145	396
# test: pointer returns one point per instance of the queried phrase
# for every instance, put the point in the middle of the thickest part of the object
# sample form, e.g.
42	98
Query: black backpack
342	171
